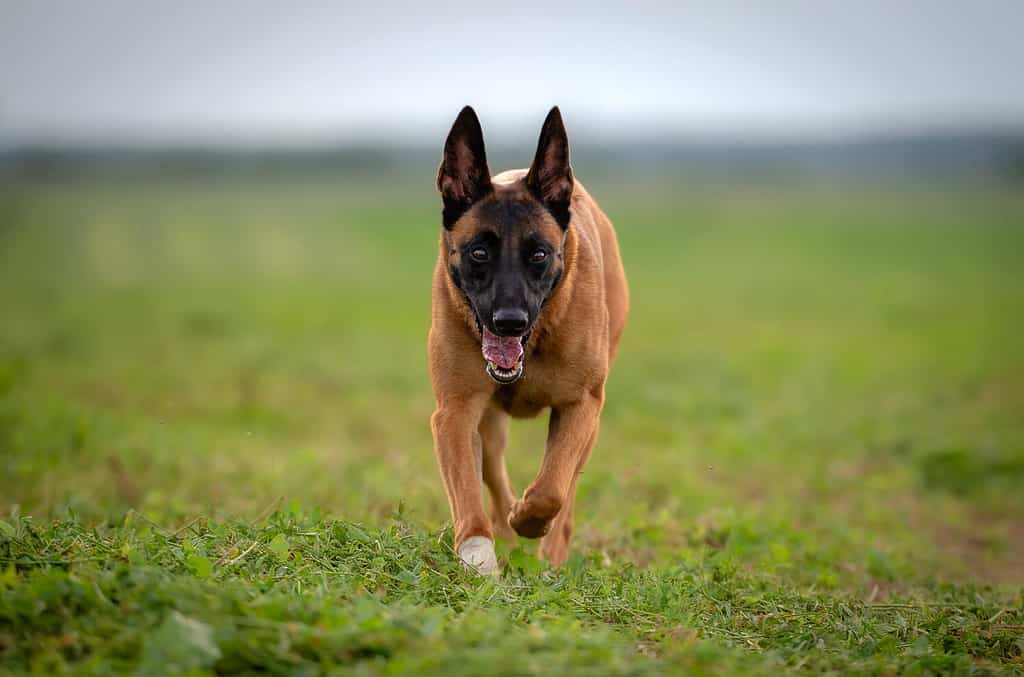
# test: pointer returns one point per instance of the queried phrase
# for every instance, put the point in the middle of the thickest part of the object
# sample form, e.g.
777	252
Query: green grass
215	451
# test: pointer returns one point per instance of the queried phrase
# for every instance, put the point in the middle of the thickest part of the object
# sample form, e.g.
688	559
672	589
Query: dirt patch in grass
990	547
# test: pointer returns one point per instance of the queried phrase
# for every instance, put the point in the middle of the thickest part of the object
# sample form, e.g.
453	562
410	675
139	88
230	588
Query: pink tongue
503	351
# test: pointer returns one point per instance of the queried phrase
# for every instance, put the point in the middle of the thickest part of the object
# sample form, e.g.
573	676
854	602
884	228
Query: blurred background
218	224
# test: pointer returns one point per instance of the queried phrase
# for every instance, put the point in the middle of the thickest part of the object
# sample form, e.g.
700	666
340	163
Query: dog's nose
510	321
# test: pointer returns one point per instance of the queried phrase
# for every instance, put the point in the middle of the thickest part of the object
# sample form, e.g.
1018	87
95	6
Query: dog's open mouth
504	356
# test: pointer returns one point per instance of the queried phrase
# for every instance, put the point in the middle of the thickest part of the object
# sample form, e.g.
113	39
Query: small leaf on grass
279	546
357	534
920	646
9	576
126	550
199	565
180	644
525	562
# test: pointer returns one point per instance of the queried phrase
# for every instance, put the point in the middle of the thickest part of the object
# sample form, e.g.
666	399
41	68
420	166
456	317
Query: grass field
215	453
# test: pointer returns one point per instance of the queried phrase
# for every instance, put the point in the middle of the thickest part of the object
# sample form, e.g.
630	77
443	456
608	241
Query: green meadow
215	455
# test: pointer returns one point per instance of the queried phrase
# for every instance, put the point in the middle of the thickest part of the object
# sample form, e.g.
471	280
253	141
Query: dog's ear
463	177
550	177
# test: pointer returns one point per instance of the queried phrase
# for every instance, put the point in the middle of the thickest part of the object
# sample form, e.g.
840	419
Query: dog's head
505	240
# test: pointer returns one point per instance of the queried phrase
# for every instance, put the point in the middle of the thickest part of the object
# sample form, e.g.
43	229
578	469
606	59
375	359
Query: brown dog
528	274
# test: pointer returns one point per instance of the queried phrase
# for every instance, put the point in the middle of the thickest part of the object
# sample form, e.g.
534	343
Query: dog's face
505	241
506	255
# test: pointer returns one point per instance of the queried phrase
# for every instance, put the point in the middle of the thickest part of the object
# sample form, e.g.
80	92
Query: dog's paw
477	552
531	517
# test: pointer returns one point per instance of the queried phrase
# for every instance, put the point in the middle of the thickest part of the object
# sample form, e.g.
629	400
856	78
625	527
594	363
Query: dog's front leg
458	448
571	434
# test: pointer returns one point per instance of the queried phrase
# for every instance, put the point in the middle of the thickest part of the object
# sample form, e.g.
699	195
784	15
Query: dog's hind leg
494	437
554	546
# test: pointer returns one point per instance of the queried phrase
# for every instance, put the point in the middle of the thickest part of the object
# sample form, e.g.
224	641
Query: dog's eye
479	254
538	256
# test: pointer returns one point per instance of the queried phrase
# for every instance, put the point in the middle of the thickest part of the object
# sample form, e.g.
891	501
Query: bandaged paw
477	552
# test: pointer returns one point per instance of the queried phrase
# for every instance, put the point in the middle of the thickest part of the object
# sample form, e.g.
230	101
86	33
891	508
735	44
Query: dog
529	302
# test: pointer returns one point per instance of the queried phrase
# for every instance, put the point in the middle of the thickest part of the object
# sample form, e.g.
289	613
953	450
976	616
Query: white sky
264	72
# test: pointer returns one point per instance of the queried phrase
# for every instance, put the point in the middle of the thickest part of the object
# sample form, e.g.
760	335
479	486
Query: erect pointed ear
463	177
550	176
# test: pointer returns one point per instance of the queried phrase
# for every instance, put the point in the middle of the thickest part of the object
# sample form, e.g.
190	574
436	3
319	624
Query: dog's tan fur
574	340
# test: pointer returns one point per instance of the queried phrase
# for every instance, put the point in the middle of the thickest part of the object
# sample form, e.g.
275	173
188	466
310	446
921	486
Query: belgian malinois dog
529	304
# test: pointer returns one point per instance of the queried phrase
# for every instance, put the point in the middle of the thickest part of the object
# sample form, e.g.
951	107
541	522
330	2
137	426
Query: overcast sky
260	72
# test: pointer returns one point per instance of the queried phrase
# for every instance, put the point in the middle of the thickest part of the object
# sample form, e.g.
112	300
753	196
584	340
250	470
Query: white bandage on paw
478	552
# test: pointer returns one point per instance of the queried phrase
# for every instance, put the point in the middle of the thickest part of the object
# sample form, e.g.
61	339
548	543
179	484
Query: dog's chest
520	401
543	385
